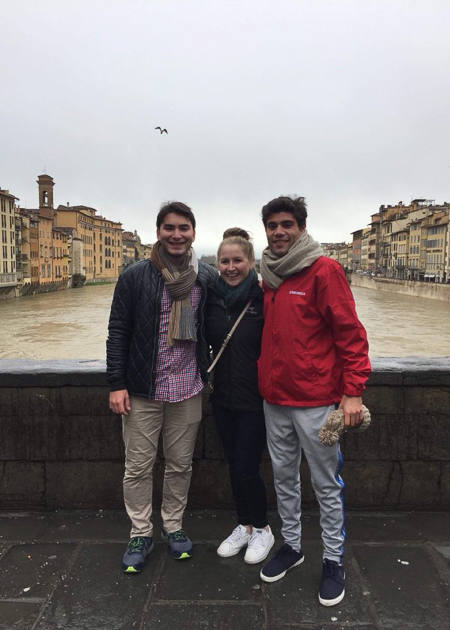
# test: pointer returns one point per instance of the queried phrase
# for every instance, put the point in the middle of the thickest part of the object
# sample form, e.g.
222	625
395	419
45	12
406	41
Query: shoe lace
236	534
282	551
331	569
257	539
136	544
179	535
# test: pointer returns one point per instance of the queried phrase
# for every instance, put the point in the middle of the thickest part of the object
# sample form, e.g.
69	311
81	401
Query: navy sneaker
180	545
332	586
284	559
137	550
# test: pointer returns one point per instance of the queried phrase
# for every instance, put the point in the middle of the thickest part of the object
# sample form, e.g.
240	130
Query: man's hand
352	408
119	402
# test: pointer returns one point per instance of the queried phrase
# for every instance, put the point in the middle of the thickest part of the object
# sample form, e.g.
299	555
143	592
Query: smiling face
234	264
176	236
282	232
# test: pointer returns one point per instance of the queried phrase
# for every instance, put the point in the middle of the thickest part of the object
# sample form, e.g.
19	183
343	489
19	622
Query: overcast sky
344	102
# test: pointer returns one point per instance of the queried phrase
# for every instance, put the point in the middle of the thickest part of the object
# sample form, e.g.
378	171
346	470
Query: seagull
162	130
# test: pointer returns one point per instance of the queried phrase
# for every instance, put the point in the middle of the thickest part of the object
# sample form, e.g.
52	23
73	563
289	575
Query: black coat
236	374
132	344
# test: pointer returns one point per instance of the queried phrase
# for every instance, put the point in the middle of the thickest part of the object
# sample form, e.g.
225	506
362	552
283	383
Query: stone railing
60	447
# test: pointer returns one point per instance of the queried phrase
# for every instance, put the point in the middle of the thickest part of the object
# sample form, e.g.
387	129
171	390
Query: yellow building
8	274
60	256
102	241
416	258
436	247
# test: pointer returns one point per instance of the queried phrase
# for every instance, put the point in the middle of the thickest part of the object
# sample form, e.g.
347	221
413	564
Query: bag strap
228	337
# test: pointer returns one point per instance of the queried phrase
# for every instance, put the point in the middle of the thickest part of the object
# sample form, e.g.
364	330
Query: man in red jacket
314	358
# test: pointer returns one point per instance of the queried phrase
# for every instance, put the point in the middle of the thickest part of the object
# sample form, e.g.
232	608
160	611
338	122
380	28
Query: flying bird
162	130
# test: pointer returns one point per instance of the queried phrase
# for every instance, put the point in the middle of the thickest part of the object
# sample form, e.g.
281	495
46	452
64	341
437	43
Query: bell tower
46	183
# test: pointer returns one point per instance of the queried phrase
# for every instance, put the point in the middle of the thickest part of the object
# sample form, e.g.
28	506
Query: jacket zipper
155	341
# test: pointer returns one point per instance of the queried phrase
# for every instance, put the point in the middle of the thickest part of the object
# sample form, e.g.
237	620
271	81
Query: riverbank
430	290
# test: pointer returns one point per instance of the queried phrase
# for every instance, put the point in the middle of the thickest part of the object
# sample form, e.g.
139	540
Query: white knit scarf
302	254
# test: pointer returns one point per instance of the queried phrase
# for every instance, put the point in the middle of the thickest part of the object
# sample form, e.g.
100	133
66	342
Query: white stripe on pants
289	430
179	424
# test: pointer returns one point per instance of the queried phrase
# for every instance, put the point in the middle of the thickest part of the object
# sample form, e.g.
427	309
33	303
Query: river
73	324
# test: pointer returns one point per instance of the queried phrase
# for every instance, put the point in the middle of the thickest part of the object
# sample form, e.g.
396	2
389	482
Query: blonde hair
238	236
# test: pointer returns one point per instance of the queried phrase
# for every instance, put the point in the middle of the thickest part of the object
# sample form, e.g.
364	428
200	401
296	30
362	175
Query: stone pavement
63	570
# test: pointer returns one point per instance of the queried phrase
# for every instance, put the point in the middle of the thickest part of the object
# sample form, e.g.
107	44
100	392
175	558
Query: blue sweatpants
289	431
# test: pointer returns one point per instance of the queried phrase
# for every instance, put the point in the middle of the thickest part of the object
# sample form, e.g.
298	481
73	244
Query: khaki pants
179	424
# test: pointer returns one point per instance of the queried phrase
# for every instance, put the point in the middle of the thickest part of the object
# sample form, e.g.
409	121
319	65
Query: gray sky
346	103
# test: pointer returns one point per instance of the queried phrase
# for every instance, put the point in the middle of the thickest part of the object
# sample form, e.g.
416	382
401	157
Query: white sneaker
237	540
259	546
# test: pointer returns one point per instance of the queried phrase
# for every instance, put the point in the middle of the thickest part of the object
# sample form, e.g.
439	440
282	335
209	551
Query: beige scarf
179	282
302	254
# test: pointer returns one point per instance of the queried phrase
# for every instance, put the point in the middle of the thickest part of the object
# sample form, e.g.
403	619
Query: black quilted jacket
132	344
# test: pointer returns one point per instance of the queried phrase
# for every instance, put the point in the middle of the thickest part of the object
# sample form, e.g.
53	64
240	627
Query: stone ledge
394	371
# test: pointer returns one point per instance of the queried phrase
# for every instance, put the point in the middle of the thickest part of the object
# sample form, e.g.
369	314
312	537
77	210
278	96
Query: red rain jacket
314	348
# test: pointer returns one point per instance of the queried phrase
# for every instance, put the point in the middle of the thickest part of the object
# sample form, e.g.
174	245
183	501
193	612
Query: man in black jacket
156	368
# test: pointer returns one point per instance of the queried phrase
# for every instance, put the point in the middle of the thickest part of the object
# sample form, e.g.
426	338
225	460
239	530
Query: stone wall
430	290
60	447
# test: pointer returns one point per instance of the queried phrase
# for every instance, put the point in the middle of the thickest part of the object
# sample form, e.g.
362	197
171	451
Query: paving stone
401	526
213	526
22	526
406	596
37	567
97	594
18	615
206	576
294	598
88	526
204	616
444	554
331	624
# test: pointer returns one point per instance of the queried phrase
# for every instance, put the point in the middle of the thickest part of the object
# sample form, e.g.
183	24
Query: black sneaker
137	550
284	559
180	545
332	586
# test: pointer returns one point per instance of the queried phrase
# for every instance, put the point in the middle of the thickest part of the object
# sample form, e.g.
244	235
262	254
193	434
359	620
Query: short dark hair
295	205
178	208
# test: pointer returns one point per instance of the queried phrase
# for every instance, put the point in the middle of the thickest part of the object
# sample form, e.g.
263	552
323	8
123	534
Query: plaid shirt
177	375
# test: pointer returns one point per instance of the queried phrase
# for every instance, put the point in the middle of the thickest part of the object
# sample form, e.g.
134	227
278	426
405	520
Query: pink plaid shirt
177	375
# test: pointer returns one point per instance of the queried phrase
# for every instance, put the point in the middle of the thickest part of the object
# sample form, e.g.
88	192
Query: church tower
46	183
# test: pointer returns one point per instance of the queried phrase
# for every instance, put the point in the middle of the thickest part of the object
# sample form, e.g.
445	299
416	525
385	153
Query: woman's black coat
235	374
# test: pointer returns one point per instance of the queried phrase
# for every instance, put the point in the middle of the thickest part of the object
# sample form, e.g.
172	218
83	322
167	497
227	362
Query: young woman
237	405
